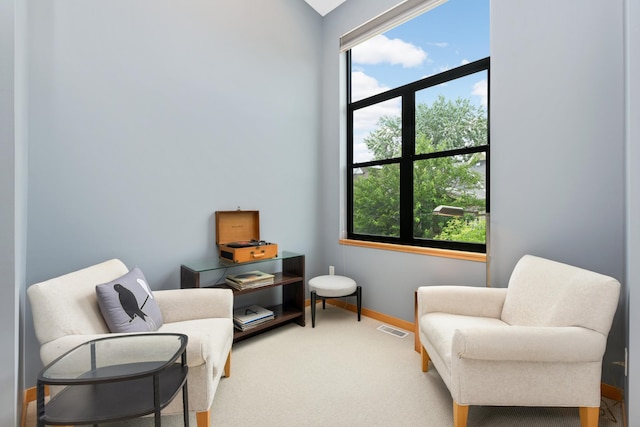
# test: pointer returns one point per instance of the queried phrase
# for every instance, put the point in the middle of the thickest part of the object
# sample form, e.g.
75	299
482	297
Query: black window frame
407	94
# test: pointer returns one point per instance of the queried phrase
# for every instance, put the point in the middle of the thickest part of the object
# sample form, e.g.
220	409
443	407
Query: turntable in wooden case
238	237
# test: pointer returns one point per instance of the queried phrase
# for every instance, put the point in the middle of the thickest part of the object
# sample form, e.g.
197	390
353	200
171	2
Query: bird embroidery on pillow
129	304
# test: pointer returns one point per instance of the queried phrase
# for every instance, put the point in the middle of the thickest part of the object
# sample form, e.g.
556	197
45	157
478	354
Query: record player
238	237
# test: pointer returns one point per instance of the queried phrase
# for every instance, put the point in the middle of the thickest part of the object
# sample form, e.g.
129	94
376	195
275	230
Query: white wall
147	116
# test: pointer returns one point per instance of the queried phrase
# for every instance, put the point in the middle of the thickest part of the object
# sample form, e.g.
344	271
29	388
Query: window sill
446	253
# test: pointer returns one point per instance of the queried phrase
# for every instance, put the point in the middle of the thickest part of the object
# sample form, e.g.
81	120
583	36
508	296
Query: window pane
452	115
452	34
377	131
457	184
376	200
439	46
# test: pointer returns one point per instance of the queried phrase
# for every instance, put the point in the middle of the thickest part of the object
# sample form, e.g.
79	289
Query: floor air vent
393	331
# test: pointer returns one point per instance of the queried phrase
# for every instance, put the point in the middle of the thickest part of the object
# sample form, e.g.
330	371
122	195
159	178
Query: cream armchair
539	342
66	313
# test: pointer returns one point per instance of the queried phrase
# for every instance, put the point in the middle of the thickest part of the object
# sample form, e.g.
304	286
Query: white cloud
439	44
366	119
380	49
364	86
464	62
481	89
360	150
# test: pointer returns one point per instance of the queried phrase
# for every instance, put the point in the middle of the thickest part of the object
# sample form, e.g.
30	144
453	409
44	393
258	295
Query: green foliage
377	198
464	230
385	142
447	124
451	180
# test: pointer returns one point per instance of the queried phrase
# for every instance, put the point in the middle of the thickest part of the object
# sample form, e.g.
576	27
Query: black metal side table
115	378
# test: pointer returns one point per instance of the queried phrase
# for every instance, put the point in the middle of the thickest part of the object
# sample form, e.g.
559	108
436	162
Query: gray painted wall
633	202
8	268
557	141
131	131
557	145
13	169
148	116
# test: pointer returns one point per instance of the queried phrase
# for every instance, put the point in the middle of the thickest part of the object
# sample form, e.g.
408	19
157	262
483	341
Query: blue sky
450	35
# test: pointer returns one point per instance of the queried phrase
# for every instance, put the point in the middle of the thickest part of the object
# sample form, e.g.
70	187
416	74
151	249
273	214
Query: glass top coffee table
115	378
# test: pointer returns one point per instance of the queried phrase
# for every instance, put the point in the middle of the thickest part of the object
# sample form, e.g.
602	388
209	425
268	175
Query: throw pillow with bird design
127	304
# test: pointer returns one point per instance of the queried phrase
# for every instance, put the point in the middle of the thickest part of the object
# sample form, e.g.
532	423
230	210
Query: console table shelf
290	280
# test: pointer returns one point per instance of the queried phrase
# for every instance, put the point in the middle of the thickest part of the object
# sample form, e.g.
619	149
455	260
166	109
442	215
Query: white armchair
66	313
539	342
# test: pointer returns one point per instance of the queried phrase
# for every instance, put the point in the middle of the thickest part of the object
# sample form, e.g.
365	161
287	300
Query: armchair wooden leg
30	395
425	359
203	419
227	366
460	415
589	416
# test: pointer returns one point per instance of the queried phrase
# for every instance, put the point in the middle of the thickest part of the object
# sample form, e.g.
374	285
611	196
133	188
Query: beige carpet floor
348	373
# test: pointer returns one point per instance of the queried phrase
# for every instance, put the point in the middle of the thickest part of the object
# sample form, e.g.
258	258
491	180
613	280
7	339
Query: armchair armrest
178	305
463	300
529	344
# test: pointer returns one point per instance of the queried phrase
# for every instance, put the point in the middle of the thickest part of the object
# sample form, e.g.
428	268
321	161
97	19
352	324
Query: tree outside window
416	147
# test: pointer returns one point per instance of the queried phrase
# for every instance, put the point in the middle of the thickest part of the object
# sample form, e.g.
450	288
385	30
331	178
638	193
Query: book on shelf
248	317
251	325
250	280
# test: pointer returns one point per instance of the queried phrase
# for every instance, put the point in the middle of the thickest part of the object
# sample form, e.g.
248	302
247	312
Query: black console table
290	279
